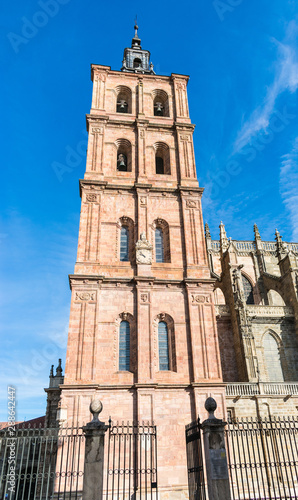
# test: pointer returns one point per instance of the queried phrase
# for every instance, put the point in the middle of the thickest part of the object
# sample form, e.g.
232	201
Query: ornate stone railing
250	246
242	389
215	245
292	246
269	246
275	311
238	389
245	246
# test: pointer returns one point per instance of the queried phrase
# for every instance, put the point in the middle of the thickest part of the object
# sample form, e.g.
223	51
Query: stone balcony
249	389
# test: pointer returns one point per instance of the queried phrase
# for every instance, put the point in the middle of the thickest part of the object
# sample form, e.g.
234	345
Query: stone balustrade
262	388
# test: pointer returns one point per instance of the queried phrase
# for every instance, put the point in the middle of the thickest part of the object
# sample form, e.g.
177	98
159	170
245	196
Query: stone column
215	454
94	454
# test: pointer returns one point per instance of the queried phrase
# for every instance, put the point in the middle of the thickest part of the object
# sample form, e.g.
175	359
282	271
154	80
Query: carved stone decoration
144	298
85	296
142	133
199	299
91	197
143	200
143	250
184	137
98	130
191	203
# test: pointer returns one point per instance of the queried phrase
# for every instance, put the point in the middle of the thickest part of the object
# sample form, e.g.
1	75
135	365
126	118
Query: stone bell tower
142	332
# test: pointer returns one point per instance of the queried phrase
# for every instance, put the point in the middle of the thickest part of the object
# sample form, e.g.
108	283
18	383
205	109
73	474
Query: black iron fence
195	464
263	458
40	464
132	462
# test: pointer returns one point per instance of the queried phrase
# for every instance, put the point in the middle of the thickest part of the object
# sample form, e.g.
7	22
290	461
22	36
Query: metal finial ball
210	405
96	406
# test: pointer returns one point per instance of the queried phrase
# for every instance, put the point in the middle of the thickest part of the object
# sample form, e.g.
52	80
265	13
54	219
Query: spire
52	371
135	59
207	231
136	41
280	246
59	369
223	238
257	232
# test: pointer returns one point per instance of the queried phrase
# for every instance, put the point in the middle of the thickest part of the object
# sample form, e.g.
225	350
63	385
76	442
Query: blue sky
242	58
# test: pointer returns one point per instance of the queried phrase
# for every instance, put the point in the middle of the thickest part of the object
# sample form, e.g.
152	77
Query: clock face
143	256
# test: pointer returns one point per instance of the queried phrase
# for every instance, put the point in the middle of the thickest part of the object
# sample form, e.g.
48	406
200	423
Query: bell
122	104
159	109
121	162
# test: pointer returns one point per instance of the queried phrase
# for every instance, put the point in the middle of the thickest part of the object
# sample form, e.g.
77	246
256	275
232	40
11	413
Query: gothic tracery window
248	290
124	346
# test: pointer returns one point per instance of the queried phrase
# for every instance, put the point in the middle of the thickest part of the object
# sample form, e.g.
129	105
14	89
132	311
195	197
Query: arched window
123	155
159	247
162	158
163	346
159	165
161	238
124	346
272	358
137	63
160	103
248	291
124	244
123	100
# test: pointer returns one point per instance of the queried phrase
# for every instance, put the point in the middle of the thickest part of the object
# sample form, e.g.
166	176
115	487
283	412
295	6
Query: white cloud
289	186
286	79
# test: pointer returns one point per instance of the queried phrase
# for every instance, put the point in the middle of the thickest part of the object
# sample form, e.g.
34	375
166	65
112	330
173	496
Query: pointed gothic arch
248	289
273	354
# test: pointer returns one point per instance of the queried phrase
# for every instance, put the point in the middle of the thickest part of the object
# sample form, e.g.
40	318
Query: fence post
94	454
215	454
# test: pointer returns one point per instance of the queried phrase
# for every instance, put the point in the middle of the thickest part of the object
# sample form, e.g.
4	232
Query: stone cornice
148	385
128	120
100	279
136	185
